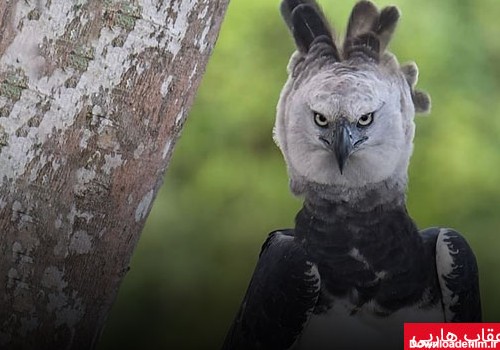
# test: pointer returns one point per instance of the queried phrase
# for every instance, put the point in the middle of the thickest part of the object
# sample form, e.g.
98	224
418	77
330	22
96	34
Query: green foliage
227	187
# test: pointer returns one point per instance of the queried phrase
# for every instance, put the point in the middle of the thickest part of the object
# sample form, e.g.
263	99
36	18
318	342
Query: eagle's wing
458	277
281	296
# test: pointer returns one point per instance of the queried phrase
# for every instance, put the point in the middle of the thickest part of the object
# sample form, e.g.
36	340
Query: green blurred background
227	187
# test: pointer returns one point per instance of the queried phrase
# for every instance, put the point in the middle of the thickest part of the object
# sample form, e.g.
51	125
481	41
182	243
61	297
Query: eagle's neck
332	210
365	247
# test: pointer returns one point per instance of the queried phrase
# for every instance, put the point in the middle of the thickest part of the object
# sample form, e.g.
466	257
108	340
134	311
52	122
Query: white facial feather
341	91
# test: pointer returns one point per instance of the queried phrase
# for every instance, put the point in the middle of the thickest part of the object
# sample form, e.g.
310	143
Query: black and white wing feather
279	300
458	278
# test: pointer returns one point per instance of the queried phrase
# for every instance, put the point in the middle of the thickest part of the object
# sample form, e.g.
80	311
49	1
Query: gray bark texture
93	95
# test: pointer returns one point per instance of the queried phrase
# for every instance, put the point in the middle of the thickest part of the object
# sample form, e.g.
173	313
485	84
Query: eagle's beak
342	144
346	138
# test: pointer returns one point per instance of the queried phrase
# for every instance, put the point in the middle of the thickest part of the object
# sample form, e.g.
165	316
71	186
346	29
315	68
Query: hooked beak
342	144
346	138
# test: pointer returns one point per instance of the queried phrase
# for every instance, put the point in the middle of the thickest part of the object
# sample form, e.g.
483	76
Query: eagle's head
345	115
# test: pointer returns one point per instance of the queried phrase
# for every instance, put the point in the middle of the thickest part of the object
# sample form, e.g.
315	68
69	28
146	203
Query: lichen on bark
93	95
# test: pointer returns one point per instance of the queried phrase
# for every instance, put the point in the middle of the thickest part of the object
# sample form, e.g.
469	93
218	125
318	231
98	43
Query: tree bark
93	95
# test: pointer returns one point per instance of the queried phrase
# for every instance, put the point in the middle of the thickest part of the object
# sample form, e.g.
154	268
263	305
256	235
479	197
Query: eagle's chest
340	328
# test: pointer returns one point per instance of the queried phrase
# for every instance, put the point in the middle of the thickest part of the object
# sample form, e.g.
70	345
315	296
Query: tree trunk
93	95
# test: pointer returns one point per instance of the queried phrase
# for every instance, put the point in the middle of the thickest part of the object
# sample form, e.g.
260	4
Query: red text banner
452	336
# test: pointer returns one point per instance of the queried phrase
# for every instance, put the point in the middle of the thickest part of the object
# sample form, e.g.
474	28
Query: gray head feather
421	100
345	117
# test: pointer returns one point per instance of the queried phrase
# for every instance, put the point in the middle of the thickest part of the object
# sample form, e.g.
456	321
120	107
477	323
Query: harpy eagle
355	267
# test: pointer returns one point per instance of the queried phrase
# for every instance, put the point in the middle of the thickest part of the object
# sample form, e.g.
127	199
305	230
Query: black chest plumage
366	255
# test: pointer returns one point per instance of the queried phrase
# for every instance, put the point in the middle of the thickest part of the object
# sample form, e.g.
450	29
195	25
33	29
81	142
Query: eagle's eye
365	120
320	120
